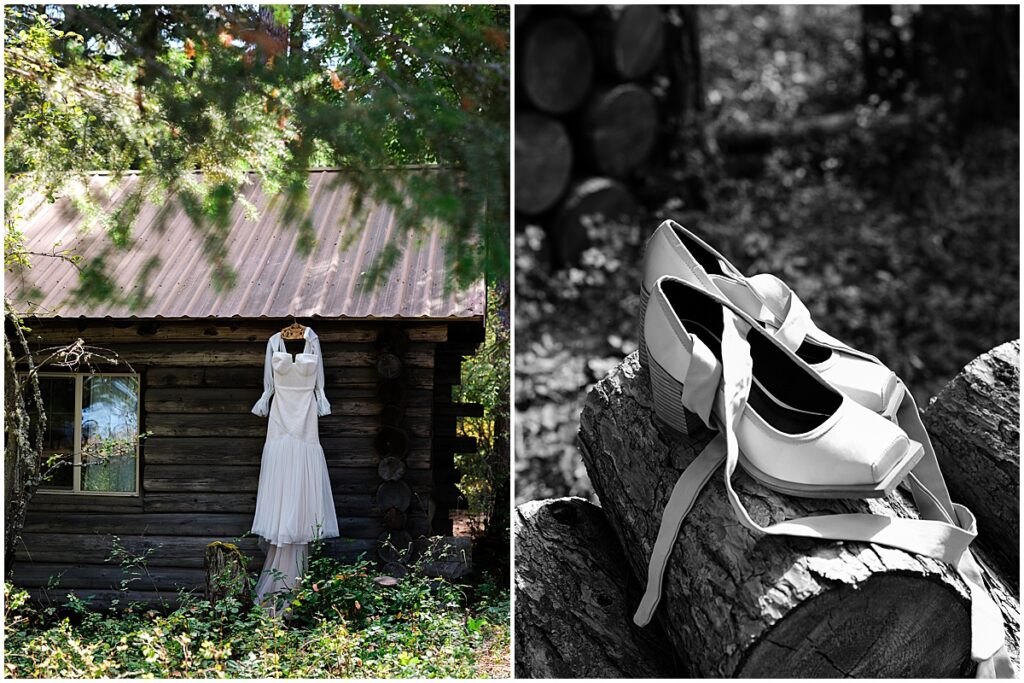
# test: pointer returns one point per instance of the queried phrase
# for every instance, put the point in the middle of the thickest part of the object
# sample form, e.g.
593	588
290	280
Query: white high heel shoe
674	250
797	434
788	428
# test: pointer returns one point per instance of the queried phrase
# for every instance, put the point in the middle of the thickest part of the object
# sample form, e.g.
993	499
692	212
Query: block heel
644	298
667	396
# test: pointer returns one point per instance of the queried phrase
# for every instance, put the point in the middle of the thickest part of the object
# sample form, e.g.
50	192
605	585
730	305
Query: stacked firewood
587	117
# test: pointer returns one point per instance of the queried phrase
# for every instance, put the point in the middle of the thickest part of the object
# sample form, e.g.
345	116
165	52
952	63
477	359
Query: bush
342	625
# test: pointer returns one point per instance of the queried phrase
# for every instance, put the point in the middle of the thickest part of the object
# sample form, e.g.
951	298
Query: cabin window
92	427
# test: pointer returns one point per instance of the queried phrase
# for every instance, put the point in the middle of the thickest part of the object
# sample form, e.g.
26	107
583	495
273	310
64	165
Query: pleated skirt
294	502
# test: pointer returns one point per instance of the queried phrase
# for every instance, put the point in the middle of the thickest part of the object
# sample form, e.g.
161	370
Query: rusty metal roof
273	278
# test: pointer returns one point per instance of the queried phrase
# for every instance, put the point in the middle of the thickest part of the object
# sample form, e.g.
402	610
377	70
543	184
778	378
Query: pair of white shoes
800	411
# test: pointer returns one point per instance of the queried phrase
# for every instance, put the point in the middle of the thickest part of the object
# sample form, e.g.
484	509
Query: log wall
200	464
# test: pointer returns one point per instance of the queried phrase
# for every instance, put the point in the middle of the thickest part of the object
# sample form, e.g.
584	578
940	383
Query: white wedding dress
294	504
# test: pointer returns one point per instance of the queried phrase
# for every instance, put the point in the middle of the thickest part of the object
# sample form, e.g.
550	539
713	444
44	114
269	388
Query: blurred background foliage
869	157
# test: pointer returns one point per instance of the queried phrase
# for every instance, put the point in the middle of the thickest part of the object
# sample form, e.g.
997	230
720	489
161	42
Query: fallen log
739	604
572	603
763	136
974	424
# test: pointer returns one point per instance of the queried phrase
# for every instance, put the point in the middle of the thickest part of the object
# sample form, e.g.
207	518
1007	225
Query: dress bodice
303	372
299	373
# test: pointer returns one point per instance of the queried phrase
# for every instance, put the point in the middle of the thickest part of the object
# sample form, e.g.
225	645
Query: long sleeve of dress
262	407
322	406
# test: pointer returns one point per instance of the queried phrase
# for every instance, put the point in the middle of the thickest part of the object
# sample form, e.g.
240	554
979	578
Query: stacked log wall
463	340
200	464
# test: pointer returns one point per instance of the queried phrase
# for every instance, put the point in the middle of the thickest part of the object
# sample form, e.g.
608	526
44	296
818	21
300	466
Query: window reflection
110	433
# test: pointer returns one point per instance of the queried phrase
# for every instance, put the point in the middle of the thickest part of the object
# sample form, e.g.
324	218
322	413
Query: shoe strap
930	537
789	320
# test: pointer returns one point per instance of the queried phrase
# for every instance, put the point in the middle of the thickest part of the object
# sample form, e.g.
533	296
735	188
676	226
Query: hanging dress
294	504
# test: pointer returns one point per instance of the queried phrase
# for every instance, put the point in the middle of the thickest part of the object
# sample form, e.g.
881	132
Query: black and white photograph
766	346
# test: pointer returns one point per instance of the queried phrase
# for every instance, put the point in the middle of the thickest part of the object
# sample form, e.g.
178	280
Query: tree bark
225	573
739	604
974	424
573	598
23	455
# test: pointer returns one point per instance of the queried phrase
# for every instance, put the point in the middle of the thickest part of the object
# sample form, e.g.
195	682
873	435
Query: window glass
110	433
59	440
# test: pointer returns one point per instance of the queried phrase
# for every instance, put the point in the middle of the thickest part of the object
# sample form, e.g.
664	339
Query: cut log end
888	626
543	162
557	66
639	38
574	598
621	128
590	202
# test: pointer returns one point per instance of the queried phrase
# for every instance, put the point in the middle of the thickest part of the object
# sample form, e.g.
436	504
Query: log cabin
162	452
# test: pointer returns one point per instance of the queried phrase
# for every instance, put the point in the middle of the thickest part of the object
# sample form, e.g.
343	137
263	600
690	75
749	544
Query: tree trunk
22	455
225	572
974	424
882	54
739	604
689	152
574	598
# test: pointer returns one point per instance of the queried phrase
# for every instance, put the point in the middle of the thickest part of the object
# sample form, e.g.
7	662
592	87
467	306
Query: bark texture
225	572
739	604
573	602
974	424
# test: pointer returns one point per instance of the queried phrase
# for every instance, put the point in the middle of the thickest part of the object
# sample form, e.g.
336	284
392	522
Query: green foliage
229	89
343	625
485	380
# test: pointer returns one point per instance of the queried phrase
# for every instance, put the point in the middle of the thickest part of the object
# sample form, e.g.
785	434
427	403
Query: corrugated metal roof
273	278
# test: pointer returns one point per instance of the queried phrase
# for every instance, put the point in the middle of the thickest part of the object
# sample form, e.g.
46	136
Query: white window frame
76	487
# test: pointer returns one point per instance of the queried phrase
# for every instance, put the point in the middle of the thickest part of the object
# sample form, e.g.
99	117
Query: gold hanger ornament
293	331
